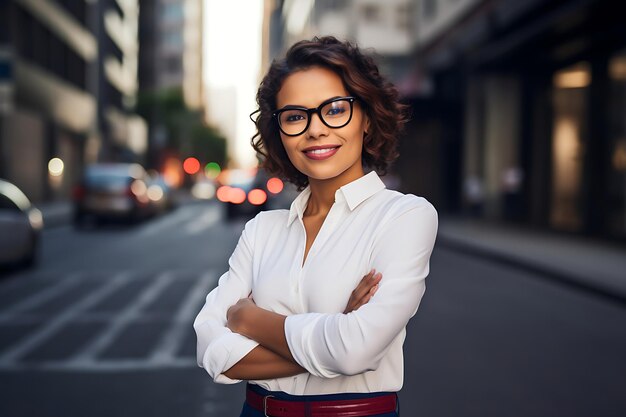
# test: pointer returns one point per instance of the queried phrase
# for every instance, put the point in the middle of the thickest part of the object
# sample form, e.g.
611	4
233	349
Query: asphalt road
103	328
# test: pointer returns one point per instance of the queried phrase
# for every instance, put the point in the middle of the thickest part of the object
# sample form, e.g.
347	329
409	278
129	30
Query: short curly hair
361	78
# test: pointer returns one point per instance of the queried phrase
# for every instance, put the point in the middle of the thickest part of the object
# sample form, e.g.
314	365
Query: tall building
170	58
171	47
124	134
68	81
48	102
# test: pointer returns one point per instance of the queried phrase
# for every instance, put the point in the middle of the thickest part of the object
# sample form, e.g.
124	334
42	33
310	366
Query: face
322	152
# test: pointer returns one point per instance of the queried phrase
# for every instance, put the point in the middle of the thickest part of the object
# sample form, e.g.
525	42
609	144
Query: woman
302	314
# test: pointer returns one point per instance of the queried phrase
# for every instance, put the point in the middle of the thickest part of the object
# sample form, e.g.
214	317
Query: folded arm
273	359
329	345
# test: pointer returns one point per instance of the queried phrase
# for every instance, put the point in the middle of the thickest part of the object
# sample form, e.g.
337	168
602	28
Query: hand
235	316
364	291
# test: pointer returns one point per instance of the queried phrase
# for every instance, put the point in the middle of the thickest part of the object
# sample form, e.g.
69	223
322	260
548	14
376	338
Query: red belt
273	407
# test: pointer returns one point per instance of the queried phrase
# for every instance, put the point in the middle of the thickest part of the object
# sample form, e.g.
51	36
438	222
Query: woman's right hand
364	291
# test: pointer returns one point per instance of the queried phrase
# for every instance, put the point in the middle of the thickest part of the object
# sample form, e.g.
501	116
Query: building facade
171	48
528	110
170	58
47	92
124	133
68	76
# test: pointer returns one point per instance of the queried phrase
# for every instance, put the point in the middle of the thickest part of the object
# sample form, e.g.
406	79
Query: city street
103	327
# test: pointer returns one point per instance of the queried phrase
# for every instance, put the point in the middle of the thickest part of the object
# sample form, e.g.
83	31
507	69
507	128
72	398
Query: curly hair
361	78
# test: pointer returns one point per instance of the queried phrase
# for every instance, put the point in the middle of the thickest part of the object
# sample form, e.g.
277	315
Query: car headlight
35	218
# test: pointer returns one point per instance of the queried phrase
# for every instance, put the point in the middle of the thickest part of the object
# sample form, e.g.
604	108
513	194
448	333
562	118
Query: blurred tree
185	131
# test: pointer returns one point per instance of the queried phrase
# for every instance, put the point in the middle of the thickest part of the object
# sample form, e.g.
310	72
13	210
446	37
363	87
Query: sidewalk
591	265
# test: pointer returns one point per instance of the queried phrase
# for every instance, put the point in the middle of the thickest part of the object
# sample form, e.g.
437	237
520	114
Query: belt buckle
265	404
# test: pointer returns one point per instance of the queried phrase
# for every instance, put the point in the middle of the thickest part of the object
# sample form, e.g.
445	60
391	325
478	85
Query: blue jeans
248	411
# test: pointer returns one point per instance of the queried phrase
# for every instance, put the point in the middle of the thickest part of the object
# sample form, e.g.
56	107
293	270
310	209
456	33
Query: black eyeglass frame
315	110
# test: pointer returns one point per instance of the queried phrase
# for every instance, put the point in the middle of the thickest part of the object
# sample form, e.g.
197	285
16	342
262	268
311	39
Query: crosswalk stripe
209	217
89	353
42	296
180	216
183	320
56	323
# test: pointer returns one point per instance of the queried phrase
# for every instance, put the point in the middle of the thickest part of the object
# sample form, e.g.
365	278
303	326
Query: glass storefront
616	197
569	103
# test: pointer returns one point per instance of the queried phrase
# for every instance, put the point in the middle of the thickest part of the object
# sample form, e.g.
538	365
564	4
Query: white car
20	227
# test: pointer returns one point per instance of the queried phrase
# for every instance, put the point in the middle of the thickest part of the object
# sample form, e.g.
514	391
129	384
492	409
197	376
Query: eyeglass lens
334	114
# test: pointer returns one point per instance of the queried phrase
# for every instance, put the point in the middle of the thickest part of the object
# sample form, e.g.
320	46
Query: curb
559	276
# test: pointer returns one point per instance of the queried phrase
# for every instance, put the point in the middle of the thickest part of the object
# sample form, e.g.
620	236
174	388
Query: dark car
246	193
112	191
20	226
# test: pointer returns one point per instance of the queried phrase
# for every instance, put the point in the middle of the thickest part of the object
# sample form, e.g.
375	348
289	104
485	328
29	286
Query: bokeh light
237	195
155	192
275	185
223	193
172	172
138	188
257	197
56	167
203	190
191	165
212	170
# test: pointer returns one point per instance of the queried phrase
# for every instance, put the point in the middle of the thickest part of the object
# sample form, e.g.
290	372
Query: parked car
20	226
112	191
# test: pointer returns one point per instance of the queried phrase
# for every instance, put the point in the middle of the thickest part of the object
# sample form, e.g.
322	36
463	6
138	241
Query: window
429	9
173	12
371	13
173	39
616	188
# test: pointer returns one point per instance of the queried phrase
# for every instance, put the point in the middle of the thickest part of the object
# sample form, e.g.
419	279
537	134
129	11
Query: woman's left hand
236	314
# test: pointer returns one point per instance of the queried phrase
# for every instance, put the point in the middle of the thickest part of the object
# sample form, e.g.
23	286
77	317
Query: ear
366	125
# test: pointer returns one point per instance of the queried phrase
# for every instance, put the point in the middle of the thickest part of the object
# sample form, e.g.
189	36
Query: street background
518	137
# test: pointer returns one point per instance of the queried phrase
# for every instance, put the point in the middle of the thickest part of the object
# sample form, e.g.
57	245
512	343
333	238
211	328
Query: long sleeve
218	348
329	345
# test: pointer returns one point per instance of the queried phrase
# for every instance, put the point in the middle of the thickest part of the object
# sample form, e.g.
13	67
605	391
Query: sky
232	59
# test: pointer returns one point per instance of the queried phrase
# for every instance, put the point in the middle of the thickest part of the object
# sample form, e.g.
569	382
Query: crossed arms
239	340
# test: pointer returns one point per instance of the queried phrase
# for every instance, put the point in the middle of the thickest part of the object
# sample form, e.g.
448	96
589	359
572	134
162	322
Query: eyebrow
296	106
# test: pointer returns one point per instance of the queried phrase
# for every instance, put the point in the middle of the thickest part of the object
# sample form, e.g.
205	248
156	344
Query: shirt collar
353	193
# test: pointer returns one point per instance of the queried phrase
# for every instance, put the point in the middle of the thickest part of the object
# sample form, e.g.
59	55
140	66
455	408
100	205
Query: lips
321	152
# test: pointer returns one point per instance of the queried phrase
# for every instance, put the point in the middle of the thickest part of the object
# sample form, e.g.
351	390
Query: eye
292	117
335	111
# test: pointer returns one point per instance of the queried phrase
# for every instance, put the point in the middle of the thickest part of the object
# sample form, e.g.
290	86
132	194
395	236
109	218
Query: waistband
281	404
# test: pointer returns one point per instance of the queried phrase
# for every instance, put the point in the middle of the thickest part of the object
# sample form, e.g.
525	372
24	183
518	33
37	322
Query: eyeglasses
334	113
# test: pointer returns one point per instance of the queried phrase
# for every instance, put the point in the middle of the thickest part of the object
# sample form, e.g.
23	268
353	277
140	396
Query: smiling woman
313	309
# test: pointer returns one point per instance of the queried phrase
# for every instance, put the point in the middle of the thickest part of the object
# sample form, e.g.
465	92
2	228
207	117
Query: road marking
101	366
88	355
87	359
183	321
209	217
42	296
181	215
52	326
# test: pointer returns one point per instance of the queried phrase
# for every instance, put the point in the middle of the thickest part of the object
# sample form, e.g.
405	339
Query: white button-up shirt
367	227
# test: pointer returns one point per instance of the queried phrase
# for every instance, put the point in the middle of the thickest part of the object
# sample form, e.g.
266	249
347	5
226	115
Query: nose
317	128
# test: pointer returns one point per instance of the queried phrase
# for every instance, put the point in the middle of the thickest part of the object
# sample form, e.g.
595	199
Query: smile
319	153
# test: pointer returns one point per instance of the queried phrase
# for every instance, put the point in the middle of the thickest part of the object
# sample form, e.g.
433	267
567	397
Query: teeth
320	151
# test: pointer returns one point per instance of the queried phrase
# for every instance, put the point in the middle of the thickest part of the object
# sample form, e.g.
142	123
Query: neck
323	191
